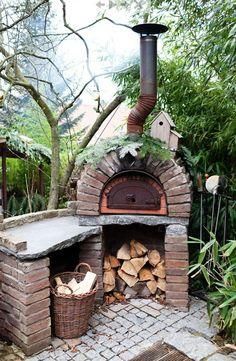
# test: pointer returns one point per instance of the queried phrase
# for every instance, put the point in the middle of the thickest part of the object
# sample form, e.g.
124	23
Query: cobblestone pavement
120	332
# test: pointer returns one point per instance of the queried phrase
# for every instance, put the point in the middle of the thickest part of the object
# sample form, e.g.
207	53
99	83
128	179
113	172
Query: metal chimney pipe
148	77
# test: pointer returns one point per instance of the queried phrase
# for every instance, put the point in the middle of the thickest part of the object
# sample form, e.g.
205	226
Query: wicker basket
71	313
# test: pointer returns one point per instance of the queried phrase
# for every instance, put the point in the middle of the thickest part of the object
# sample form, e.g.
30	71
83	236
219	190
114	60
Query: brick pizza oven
120	199
144	199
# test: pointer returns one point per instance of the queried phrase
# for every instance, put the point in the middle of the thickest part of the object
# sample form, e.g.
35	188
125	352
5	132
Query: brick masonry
176	256
25	302
91	252
176	186
175	183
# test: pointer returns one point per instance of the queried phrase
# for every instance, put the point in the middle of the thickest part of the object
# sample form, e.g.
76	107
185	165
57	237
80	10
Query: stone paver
220	357
127	355
195	347
122	331
80	357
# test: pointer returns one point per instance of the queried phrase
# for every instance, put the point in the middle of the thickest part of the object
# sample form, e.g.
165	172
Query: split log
152	286
87	284
129	292
109	299
138	263
159	292
128	268
58	281
62	289
107	263
124	252
145	292
73	284
114	262
154	257
141	289
130	280
161	284
133	252
109	277
119	296
140	249
120	285
145	274
161	298
108	288
159	270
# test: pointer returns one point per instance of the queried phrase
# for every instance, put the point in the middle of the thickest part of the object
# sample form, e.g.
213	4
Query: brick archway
169	173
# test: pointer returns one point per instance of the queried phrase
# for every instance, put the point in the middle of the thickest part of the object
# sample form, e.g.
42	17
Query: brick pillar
25	302
91	252
176	259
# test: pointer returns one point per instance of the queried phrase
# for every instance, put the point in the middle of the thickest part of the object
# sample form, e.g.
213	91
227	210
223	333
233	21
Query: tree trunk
55	168
100	119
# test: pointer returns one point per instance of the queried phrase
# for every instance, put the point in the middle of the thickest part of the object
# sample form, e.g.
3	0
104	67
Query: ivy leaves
138	145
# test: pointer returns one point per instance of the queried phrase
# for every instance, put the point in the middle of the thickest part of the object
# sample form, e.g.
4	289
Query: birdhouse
163	128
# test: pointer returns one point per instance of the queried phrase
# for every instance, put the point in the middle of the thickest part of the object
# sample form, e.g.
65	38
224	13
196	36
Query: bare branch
25	53
26	16
66	34
83	40
22	81
70	105
42	81
104	18
86	139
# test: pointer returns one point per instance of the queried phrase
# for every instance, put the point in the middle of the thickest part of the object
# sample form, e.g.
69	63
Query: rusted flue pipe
148	78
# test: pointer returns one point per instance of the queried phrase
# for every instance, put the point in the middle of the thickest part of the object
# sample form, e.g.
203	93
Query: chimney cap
149	28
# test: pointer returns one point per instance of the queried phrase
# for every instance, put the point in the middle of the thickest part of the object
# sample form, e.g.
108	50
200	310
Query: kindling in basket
73	296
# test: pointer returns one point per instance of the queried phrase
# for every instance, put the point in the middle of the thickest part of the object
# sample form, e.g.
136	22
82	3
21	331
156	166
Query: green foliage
13	206
23	205
206	118
196	81
201	112
25	145
217	264
34	125
18	170
202	33
141	145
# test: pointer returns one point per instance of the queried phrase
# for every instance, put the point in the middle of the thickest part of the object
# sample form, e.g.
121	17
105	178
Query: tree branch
70	105
20	80
86	139
26	16
83	40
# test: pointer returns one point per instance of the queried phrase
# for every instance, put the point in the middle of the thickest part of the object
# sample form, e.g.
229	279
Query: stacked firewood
135	271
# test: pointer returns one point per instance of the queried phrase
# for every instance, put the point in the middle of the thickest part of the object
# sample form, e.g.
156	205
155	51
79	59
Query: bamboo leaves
217	264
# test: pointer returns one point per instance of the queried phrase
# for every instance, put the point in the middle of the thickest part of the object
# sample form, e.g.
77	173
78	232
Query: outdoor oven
145	200
142	202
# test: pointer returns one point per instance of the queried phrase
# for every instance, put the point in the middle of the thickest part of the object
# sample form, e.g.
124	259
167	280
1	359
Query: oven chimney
148	79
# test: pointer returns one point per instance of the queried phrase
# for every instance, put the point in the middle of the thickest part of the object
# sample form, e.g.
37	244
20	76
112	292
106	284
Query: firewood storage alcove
136	275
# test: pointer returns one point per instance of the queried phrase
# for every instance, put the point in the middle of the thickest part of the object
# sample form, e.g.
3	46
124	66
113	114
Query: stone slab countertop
125	219
45	236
